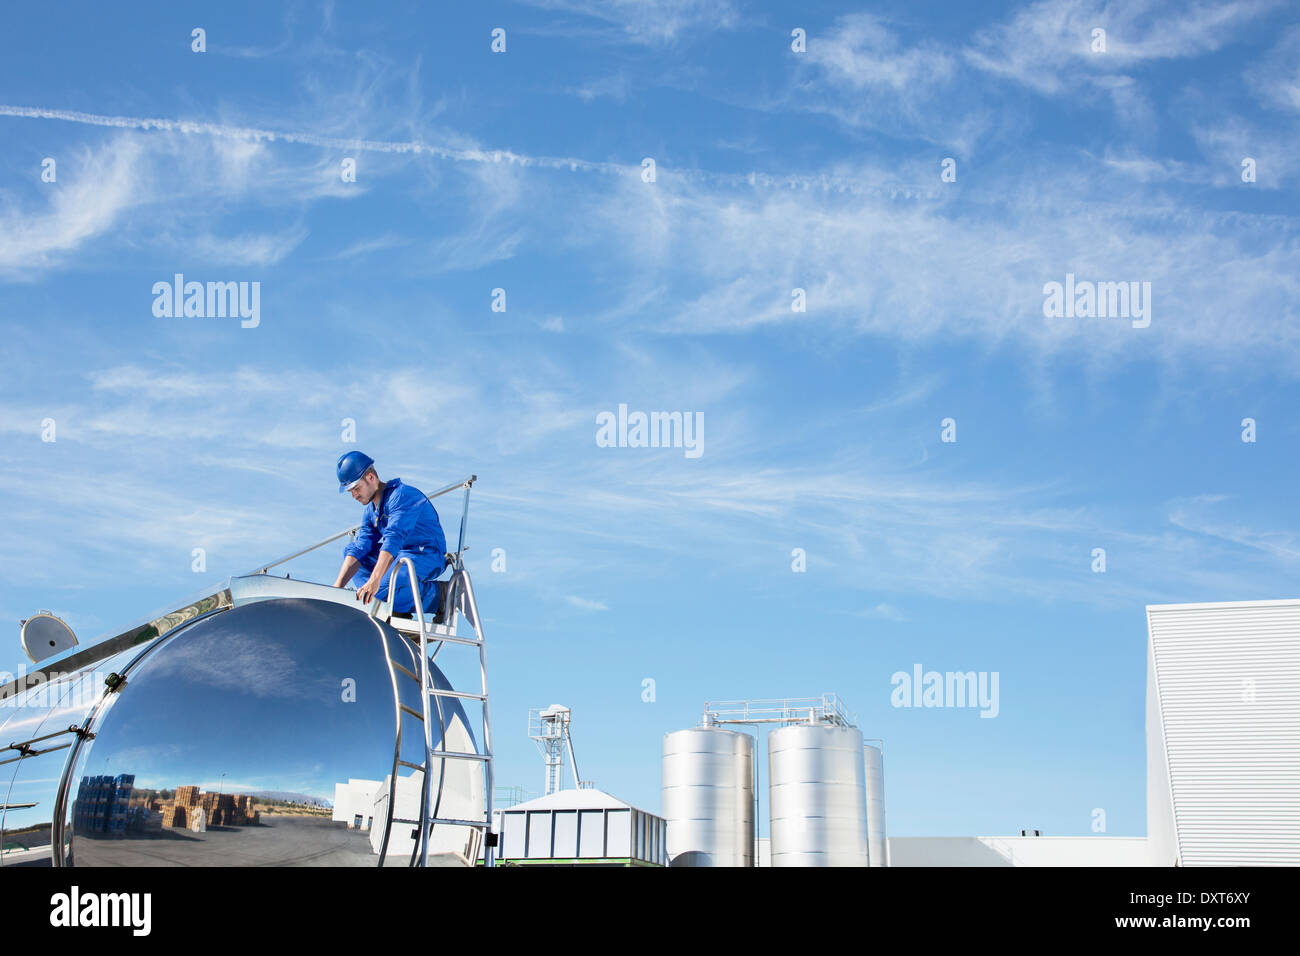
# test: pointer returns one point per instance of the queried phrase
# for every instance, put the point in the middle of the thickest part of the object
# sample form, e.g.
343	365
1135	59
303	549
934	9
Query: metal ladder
459	602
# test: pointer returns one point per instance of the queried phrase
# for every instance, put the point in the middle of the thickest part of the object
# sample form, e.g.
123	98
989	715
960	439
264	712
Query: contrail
308	139
821	183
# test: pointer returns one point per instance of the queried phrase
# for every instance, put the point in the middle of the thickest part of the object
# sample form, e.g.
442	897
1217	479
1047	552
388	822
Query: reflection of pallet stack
103	804
210	808
120	799
180	814
174	816
217	809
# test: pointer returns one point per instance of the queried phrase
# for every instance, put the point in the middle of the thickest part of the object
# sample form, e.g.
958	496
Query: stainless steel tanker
264	687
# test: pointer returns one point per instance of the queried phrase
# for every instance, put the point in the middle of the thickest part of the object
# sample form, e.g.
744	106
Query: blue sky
775	171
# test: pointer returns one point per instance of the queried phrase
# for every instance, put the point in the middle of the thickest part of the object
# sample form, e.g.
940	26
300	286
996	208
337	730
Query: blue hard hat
351	467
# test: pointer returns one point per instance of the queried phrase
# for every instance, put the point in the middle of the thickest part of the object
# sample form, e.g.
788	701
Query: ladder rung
452	821
413	766
409	673
410	629
414	713
457	755
450	639
472	642
456	693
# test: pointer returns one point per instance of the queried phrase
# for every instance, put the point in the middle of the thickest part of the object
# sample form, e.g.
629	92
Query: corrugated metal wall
1227	680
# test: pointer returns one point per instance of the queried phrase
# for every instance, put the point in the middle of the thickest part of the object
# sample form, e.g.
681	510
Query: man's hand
367	591
377	577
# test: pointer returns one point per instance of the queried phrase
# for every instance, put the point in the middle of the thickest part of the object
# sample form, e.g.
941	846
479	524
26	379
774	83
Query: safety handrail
460	546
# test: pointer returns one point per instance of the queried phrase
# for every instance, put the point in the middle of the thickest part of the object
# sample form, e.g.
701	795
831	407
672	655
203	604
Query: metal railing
460	544
827	709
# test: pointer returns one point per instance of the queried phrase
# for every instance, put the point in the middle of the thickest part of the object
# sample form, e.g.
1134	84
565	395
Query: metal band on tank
87	733
397	746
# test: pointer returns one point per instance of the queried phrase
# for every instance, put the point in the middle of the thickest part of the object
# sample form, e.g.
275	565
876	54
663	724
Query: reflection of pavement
280	840
40	856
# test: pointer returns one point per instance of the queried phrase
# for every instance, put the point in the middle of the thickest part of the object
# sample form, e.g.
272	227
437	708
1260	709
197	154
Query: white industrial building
581	827
1223	734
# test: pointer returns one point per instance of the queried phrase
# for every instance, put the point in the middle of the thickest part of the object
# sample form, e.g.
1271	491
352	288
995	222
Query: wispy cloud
1277	75
585	604
885	612
1198	515
651	22
1048	44
97	187
250	249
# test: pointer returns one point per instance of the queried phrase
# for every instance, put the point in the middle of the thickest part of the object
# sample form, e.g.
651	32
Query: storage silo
818	796
874	758
708	797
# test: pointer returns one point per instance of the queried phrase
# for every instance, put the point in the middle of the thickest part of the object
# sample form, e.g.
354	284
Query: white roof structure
587	799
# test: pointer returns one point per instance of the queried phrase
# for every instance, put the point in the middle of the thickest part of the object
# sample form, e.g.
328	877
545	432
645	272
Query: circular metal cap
45	635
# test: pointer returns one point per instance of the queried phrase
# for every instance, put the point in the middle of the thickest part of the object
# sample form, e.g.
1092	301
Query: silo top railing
826	709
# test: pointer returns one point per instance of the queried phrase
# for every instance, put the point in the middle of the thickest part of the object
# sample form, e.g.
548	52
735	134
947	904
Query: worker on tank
399	522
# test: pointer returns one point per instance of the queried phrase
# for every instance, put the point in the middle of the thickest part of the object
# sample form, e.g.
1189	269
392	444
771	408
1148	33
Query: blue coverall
406	525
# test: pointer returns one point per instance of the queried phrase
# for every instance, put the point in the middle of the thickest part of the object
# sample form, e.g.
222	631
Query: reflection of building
451	843
354	803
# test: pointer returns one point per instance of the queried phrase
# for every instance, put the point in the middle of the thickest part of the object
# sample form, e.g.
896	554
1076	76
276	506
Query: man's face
365	489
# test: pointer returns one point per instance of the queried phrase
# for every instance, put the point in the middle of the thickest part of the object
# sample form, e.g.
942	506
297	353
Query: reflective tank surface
231	735
878	846
818	796
708	797
29	787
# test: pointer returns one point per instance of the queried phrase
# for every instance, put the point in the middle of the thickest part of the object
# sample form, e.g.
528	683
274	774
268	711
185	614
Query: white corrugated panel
591	833
1227	681
514	835
566	834
619	834
539	834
